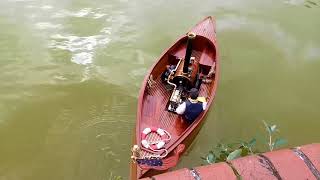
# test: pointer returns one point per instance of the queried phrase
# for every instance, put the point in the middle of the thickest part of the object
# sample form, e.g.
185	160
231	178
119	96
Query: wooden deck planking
168	121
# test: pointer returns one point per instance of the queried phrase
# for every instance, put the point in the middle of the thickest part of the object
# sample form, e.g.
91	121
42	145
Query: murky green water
70	72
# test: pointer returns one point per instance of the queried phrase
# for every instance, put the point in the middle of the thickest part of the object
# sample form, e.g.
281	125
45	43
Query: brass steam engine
184	77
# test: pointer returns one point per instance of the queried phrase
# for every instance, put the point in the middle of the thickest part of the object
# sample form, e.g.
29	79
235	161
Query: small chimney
191	36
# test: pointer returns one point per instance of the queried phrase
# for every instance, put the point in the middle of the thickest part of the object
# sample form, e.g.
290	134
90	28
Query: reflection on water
294	2
70	73
271	32
86	12
81	47
47	25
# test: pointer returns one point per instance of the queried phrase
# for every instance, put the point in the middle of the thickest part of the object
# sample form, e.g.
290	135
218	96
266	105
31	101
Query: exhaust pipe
191	36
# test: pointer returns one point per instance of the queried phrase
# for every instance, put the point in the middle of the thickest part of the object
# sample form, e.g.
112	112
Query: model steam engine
184	77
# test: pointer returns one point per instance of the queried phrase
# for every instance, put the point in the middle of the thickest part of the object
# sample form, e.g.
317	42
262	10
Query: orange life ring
165	137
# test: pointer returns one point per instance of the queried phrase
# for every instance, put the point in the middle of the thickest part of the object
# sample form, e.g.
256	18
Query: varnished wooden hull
152	100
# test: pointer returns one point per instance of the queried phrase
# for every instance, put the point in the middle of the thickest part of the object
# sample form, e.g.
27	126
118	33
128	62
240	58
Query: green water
70	73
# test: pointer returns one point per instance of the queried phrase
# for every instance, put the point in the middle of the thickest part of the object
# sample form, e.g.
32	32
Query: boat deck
156	114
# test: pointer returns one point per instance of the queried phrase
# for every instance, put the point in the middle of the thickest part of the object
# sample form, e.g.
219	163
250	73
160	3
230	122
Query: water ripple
47	25
82	58
294	2
46	7
98	15
81	13
85	12
81	47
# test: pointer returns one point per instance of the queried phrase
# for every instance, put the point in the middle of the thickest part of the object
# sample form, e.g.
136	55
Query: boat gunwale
142	93
195	124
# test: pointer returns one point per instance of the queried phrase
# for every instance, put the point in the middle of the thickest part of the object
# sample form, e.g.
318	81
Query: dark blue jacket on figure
192	111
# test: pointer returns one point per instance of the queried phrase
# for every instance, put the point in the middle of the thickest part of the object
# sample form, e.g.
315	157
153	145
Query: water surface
70	73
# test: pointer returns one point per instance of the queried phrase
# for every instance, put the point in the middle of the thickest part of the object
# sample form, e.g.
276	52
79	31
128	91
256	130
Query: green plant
273	143
227	152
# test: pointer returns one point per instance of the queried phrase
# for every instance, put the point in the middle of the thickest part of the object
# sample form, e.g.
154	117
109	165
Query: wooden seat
206	57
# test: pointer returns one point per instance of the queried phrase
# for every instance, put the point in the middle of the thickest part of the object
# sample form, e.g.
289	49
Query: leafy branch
227	152
272	144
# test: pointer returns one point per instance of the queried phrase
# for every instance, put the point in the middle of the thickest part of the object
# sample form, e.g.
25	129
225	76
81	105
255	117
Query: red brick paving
253	167
313	153
216	172
289	165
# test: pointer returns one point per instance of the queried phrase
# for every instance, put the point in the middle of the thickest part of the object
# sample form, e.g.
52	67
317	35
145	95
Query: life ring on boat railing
156	145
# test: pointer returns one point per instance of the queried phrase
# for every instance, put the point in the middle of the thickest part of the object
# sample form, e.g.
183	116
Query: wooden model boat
161	135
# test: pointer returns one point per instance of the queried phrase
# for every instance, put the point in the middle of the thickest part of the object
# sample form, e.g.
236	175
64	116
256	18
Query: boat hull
152	100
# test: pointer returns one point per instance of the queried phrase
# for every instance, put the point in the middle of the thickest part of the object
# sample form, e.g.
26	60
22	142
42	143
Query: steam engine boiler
184	77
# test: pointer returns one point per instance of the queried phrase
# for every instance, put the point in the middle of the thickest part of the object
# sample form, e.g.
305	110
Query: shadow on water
63	131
